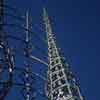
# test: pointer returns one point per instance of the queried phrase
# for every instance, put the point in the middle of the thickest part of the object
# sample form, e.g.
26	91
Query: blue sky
76	24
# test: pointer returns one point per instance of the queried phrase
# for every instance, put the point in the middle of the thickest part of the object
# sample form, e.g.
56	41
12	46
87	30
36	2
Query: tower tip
45	12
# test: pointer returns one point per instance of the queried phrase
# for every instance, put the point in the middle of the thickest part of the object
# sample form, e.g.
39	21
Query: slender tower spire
62	84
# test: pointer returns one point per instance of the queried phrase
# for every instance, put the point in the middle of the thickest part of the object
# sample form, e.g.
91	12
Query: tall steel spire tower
62	84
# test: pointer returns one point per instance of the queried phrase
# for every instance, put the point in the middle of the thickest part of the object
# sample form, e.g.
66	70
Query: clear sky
76	24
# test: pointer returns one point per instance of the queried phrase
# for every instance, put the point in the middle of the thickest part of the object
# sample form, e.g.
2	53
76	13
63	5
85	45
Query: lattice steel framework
15	76
62	84
5	55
